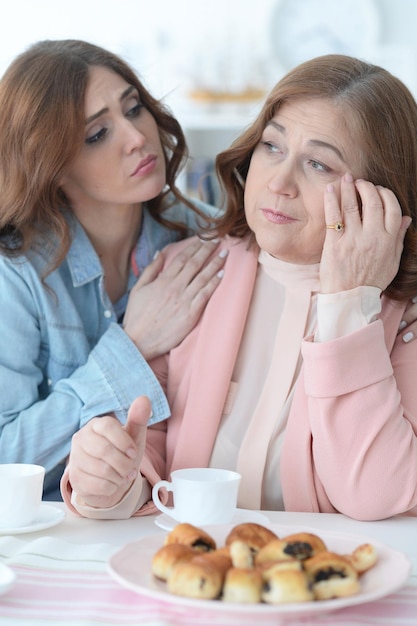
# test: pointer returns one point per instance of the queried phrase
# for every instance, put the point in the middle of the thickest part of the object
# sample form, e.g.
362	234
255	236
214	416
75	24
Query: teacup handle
169	510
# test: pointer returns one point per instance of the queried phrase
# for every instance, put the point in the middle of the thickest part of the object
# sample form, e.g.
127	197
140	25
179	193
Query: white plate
7	578
48	516
131	567
242	515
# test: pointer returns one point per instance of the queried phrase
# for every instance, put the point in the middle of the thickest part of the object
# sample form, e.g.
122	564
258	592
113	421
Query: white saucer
48	516
7	578
241	516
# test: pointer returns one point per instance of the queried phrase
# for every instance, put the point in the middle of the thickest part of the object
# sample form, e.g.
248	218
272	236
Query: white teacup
201	495
21	486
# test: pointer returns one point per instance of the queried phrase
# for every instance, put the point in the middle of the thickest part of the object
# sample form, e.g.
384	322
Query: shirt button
49	382
107	313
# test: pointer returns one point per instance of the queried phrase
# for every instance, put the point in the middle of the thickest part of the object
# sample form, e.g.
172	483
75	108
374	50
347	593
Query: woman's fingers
380	208
366	251
161	313
185	265
152	270
343	212
332	211
350	203
391	210
408	325
103	456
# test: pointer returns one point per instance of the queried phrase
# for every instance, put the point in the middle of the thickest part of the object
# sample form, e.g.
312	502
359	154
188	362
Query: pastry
198	578
242	585
241	554
287	585
190	535
254	535
268	567
273	551
363	558
304	545
167	557
297	546
331	576
220	559
255	565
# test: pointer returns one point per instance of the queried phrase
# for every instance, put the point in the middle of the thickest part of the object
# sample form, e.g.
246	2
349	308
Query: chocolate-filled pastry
275	550
167	557
316	543
331	576
197	578
297	546
242	585
241	554
254	535
285	586
223	550
220	558
269	567
363	557
190	535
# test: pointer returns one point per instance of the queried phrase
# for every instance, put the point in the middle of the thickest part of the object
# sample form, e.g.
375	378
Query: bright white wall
171	42
165	39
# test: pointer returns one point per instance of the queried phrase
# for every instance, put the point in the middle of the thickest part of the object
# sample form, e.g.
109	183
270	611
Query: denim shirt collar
83	262
82	259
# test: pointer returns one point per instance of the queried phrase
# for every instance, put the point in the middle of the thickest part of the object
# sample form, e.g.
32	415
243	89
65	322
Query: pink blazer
351	440
350	445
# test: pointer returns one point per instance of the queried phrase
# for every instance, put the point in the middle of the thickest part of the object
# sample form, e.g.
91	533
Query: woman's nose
282	180
133	137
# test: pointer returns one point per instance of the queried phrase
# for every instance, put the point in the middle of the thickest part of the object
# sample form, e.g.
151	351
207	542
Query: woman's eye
96	137
316	165
270	147
134	111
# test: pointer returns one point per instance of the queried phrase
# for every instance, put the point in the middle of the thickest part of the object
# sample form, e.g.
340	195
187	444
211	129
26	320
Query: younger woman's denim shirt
64	357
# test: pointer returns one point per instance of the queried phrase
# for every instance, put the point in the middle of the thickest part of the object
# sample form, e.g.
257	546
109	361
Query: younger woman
88	163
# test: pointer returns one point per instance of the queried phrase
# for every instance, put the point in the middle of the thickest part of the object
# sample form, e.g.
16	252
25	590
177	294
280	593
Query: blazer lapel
205	362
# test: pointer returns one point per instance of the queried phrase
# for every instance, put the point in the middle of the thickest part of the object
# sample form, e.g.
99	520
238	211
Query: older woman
295	375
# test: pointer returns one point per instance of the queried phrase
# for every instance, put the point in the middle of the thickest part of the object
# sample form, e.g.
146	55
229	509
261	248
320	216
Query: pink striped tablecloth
59	582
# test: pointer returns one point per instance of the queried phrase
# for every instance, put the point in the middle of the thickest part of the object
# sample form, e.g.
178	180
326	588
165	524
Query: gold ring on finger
339	226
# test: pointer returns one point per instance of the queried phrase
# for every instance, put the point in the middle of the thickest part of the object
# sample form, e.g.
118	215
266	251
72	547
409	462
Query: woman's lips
145	166
277	218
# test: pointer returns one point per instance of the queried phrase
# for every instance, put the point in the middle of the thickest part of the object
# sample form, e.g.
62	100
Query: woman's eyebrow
311	142
324	144
280	128
124	95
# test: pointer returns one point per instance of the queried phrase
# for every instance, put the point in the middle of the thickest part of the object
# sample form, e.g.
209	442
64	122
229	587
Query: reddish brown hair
382	115
42	126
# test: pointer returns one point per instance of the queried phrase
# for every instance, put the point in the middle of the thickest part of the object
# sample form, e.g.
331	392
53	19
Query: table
62	576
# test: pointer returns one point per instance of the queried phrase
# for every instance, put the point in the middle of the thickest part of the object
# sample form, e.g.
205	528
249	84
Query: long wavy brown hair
42	130
381	114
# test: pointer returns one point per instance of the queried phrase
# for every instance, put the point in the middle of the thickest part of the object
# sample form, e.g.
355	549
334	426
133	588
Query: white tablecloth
62	578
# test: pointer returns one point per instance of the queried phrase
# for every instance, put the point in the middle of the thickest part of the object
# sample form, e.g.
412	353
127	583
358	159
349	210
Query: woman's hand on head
367	251
105	456
166	304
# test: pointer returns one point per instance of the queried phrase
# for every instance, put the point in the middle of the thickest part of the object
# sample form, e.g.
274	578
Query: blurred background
213	61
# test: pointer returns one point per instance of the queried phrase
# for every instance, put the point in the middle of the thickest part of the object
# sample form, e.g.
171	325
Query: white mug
201	495
21	486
